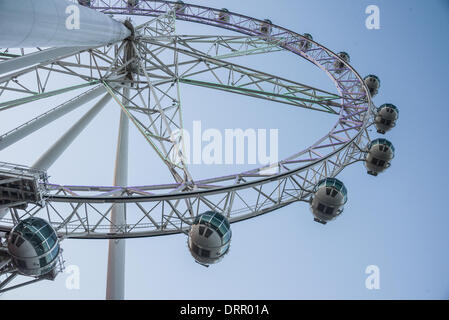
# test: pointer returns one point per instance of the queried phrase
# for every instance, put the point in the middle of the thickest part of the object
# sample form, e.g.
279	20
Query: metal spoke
116	258
51	115
231	77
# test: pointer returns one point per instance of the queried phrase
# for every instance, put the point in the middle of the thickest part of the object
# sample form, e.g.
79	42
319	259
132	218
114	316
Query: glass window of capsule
39	255
383	145
386	122
388	107
42	237
333	185
216	221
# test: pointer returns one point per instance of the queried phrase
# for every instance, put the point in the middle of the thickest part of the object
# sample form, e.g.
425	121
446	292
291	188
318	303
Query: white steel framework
137	74
82	211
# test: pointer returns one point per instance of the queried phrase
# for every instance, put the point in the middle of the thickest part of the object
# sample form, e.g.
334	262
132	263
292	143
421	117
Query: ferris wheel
140	69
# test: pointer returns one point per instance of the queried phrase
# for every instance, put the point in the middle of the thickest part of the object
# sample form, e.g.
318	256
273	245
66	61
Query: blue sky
397	221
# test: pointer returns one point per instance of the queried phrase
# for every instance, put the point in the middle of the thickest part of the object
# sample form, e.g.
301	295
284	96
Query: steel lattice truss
161	60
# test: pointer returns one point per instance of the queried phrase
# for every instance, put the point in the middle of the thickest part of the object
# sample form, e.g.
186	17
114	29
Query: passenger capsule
328	200
223	15
373	84
386	117
85	3
380	153
265	27
338	65
132	3
180	7
304	44
34	247
209	238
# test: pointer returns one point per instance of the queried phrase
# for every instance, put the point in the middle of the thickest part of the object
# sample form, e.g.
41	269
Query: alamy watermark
373	19
372	282
72	22
236	146
72	282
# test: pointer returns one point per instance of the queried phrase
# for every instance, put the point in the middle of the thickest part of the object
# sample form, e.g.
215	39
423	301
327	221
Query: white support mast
55	23
115	287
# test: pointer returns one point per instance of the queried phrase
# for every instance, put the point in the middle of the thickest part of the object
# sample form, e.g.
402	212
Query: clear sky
397	221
